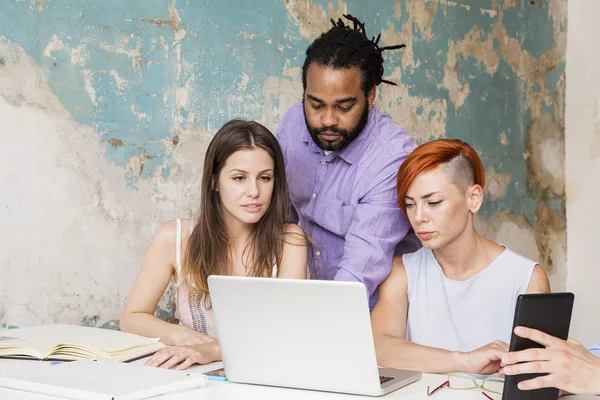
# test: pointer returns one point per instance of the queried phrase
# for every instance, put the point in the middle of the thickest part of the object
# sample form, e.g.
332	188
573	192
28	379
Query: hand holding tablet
549	316
570	366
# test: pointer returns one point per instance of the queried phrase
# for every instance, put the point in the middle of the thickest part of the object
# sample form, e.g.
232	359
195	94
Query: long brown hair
208	249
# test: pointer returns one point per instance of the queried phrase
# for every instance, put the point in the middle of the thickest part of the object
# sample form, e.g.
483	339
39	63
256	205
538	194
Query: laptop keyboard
384	379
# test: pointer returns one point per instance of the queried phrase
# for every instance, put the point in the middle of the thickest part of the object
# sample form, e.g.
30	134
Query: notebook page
78	353
44	338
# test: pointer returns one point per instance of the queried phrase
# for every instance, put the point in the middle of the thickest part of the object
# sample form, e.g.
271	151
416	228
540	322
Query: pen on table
485	394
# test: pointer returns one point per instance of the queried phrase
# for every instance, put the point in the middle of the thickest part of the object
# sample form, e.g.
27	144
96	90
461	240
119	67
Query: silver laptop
303	334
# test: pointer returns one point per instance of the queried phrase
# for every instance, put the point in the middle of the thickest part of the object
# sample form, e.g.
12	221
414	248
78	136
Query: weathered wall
583	167
106	110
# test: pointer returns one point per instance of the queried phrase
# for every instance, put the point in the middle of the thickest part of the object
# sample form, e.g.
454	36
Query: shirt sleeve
280	135
377	226
595	349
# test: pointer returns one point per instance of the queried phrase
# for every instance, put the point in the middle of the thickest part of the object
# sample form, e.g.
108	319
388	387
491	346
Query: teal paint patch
112	67
114	325
165	315
245	44
553	78
165	308
531	25
90	321
8	326
500	112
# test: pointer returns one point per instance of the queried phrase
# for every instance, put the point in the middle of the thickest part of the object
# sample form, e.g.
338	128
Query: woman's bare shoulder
294	234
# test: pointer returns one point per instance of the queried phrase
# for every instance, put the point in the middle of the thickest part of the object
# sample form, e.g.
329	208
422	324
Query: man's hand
484	360
569	365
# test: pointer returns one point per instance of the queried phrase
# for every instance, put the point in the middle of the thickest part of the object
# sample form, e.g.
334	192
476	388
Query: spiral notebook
72	342
98	380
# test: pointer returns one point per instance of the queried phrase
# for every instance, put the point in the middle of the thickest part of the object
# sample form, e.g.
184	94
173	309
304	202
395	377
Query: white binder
97	380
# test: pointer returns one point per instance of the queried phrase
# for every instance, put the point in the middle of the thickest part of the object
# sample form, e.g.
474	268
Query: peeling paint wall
107	109
582	134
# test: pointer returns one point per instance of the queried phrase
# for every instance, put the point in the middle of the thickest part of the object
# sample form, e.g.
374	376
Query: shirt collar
353	151
312	146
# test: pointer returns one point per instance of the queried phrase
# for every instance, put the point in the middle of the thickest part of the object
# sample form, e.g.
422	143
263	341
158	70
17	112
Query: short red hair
431	155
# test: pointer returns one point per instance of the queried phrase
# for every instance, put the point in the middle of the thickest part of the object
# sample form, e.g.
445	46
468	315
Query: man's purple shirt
595	349
346	201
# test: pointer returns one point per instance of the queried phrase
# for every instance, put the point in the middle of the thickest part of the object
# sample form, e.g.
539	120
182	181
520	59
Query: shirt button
323	162
314	195
318	253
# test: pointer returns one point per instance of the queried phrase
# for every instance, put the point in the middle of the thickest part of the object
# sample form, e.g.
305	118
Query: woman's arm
389	327
294	257
539	281
154	276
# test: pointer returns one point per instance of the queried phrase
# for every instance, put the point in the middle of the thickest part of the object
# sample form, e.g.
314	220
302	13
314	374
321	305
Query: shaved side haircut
461	172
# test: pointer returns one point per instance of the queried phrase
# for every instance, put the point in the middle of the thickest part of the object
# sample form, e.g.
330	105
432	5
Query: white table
216	390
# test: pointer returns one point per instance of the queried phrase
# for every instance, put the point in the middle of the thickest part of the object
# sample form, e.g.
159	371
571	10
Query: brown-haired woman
242	229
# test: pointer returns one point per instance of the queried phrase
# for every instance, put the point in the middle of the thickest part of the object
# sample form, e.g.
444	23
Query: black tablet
549	313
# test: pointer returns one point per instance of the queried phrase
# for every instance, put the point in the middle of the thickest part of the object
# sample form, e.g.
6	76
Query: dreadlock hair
343	47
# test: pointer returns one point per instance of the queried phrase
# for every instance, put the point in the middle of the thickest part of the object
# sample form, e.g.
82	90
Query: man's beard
346	136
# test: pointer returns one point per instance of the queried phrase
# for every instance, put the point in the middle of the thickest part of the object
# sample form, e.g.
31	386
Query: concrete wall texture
582	132
106	109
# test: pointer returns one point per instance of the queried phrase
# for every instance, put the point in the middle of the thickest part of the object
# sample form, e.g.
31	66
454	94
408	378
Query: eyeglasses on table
467	382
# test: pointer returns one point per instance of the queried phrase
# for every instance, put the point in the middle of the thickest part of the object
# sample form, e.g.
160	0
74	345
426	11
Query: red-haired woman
449	306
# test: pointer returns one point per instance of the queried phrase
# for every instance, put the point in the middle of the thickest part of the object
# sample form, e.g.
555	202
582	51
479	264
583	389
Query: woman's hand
187	337
184	356
484	360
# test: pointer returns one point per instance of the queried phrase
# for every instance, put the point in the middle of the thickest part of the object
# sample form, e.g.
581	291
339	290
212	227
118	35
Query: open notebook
72	342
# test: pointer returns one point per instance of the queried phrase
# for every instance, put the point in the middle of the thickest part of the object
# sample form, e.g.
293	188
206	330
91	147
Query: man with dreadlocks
342	157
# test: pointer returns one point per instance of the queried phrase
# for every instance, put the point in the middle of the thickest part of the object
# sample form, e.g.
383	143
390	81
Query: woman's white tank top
463	315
